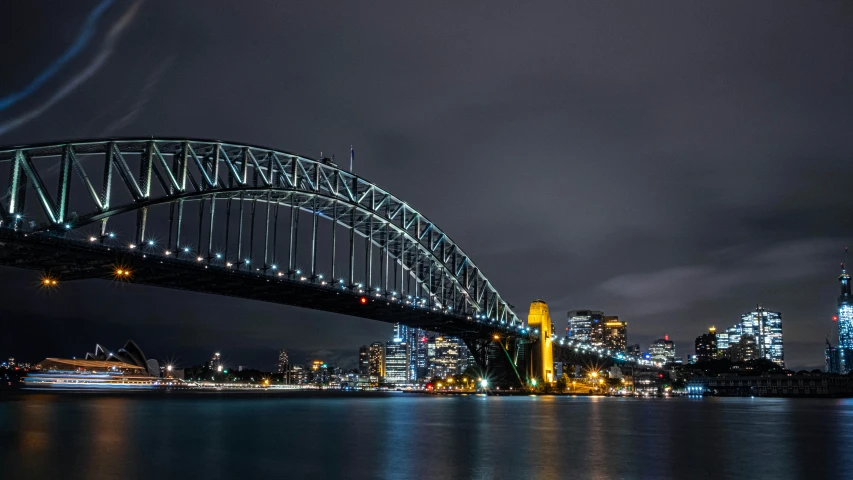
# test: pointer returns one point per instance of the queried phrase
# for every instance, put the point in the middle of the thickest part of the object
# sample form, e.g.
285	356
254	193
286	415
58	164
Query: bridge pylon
541	364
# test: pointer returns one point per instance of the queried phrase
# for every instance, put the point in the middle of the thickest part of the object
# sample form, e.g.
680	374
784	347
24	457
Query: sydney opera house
126	367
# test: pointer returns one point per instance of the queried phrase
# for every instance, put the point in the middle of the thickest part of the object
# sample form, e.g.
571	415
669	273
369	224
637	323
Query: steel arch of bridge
100	180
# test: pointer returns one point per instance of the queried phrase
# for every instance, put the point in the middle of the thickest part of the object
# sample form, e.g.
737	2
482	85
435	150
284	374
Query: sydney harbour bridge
263	224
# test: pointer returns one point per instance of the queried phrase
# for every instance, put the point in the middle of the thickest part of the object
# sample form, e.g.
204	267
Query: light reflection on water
408	436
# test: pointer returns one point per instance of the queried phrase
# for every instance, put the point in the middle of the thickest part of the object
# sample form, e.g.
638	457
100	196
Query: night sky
673	163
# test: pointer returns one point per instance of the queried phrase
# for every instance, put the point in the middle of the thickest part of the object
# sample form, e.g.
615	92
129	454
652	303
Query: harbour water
406	436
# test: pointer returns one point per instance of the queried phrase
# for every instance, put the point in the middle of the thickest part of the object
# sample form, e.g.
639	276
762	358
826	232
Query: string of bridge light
298	275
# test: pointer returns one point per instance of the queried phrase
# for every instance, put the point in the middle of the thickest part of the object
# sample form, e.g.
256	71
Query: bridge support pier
541	366
502	360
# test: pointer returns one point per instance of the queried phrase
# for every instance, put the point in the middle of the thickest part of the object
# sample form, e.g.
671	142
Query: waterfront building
376	360
615	334
585	326
130	353
845	322
634	350
215	362
397	362
321	373
297	375
811	385
706	346
446	359
283	361
662	350
363	360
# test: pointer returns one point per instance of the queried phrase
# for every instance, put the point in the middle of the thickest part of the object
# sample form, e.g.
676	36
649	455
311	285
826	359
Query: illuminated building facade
446	357
766	328
321	373
845	323
376	362
585	326
706	346
615	334
417	340
745	349
215	362
283	361
662	350
397	361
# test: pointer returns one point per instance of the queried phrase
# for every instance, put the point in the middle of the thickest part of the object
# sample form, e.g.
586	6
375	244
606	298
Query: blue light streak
52	69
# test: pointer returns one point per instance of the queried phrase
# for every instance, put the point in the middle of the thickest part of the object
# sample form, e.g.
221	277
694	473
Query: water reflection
412	436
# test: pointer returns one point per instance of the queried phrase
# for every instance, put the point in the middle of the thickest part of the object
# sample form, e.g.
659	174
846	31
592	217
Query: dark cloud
670	163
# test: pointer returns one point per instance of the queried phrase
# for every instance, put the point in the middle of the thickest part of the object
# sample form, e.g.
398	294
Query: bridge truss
231	219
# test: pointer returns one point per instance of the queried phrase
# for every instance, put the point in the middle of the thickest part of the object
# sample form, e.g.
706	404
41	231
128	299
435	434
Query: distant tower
543	351
845	321
216	362
363	360
283	361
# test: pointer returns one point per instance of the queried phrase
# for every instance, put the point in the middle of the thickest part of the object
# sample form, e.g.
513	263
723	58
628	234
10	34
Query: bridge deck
68	260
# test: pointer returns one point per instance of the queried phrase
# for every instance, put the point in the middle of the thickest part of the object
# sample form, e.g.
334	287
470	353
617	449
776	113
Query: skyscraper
376	367
706	346
397	360
845	322
363	360
283	361
766	328
615	334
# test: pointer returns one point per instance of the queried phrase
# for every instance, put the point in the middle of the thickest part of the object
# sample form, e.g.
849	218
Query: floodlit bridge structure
254	223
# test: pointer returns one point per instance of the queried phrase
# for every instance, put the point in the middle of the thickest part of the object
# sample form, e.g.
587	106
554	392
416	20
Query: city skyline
689	229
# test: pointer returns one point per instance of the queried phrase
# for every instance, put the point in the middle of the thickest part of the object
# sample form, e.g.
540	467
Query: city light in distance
49	282
363	300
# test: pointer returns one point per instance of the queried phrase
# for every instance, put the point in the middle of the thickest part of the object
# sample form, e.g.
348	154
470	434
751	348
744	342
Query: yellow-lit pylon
543	352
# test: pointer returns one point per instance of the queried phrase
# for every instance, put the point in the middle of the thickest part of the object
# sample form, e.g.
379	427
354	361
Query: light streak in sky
104	53
52	69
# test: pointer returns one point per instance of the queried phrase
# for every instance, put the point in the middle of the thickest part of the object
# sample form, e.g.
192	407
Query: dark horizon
674	165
